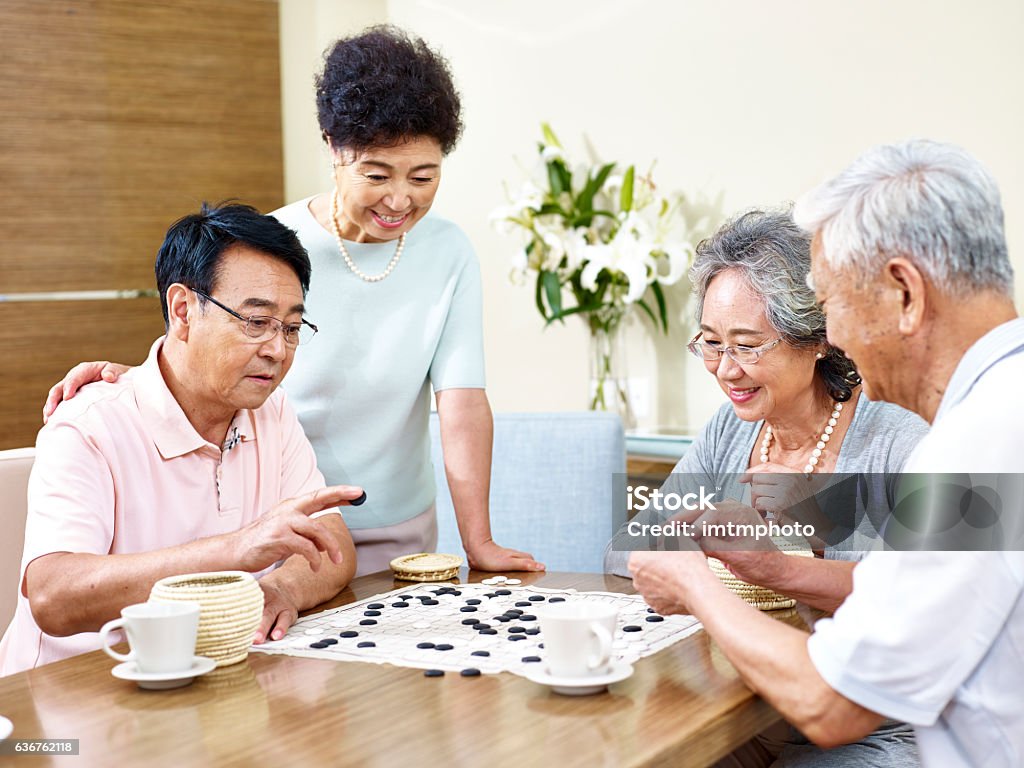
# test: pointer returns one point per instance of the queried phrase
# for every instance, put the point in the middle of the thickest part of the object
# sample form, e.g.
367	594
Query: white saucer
6	726
582	686
161	681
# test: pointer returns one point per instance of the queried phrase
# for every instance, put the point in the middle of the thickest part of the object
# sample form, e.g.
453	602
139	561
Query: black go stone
375	606
467	609
443	647
491	594
655	618
488	631
650	610
470	672
474	601
513	612
366	644
371	613
400	604
405	597
367	622
434	673
348	633
424	646
517	630
632	628
517	637
523	604
557	600
503	619
481	624
480	653
533	631
319	645
329	641
535	598
431	602
527	617
503	592
470	622
529	659
454	592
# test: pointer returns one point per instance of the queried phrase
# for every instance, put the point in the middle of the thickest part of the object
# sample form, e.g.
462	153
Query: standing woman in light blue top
396	293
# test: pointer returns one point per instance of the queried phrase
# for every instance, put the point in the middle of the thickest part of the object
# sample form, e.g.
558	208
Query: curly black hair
382	86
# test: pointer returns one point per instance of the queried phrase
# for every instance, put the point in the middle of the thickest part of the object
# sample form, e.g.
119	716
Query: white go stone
513	582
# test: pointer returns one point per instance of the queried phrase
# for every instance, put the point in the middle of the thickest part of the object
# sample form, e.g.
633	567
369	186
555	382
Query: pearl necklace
826	435
348	259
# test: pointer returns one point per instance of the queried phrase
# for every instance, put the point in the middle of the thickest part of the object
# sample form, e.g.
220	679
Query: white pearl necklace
348	259
826	435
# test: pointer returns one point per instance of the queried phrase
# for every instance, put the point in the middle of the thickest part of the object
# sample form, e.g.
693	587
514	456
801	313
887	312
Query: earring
818	356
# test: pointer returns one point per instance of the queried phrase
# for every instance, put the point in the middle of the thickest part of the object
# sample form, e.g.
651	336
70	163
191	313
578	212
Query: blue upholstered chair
552	487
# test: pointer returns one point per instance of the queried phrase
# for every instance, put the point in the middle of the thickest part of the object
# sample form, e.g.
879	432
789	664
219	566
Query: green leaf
643	304
585	203
662	310
539	296
553	291
549	136
626	196
569	312
555	178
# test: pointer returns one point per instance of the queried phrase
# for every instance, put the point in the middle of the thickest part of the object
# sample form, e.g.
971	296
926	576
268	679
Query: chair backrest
15	466
553	479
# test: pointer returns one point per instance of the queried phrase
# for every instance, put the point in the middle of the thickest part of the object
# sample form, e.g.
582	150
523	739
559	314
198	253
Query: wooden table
684	706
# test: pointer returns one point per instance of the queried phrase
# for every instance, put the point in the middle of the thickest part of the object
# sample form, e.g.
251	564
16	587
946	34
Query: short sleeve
891	646
299	472
70	495
459	358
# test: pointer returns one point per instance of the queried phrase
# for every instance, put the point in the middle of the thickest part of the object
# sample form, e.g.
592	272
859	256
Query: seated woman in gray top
795	407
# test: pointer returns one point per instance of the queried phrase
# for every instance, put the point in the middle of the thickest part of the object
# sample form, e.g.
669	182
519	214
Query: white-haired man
910	264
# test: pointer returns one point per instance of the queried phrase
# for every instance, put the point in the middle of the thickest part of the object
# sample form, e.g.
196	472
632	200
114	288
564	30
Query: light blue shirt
361	387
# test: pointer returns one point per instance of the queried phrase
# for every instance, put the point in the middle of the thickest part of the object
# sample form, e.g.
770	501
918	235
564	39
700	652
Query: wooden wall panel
116	118
64	333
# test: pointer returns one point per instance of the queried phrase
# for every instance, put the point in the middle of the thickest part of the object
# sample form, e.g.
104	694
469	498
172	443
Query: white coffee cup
577	637
162	636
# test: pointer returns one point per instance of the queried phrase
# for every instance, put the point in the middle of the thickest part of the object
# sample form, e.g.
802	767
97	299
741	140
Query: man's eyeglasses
742	355
262	328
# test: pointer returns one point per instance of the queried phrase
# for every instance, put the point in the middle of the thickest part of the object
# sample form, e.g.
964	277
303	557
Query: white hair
930	202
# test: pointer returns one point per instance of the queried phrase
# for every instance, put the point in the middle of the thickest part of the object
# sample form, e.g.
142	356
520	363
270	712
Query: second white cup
577	637
162	636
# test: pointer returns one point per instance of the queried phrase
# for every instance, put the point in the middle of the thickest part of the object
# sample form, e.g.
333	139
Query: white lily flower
678	255
551	152
530	197
624	255
520	264
500	217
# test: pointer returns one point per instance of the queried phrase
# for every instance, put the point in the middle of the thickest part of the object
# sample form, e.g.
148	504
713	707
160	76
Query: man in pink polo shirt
190	462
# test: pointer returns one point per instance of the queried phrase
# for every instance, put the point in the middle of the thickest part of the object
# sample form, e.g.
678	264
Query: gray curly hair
774	256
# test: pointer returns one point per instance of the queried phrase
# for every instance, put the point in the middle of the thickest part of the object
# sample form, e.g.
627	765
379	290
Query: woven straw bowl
231	606
758	596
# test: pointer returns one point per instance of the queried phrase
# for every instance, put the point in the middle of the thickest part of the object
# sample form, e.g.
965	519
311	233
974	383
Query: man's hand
280	609
665	579
287	530
488	556
78	377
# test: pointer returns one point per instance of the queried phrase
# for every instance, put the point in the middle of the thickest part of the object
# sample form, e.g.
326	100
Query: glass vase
609	389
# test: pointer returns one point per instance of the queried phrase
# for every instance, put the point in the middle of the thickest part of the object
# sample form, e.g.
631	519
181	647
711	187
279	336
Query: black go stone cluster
514	633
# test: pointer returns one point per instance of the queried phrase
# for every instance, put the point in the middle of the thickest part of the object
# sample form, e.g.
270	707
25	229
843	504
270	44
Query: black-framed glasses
741	354
262	328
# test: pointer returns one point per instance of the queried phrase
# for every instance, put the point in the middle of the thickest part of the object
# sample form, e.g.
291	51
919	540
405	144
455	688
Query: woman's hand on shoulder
78	377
